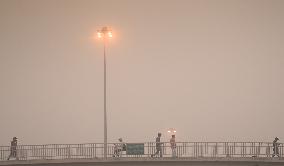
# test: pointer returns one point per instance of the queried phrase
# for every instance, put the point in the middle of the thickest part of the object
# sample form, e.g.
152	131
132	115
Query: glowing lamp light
105	33
172	131
99	35
109	34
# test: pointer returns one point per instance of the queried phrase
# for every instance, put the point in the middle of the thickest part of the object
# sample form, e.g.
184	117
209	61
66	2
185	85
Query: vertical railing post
43	152
68	151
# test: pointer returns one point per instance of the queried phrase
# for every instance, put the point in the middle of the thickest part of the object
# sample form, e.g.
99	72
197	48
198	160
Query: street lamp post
105	33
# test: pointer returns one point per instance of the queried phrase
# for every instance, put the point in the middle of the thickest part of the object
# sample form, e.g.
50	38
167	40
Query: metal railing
183	150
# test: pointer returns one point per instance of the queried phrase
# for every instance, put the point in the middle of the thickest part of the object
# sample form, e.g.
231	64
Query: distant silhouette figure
275	147
158	146
13	149
173	146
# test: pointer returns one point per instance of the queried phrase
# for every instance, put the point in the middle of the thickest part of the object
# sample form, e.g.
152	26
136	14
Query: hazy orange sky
212	69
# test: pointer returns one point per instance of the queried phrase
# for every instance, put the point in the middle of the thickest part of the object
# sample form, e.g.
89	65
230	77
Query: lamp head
104	33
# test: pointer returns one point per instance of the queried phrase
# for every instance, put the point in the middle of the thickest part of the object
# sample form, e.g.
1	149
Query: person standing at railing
13	149
158	146
275	147
118	148
173	146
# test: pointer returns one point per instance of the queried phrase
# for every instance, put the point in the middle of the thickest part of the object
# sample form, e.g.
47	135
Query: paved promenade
151	162
188	153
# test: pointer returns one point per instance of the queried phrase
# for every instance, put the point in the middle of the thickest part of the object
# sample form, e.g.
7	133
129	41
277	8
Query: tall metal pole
104	33
105	113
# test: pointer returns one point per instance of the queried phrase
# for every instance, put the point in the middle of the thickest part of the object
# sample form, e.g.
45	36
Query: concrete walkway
152	162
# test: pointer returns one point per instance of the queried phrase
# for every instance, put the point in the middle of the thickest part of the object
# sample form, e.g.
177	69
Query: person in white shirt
118	148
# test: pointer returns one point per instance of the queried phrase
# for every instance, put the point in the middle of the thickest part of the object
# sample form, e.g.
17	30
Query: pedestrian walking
173	146
158	146
275	147
13	149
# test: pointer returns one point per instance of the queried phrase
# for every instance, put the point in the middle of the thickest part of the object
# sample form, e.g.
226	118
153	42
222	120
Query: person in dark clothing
13	148
158	146
173	146
275	147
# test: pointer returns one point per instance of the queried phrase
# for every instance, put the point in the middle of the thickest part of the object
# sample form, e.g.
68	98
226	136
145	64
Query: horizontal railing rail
183	150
